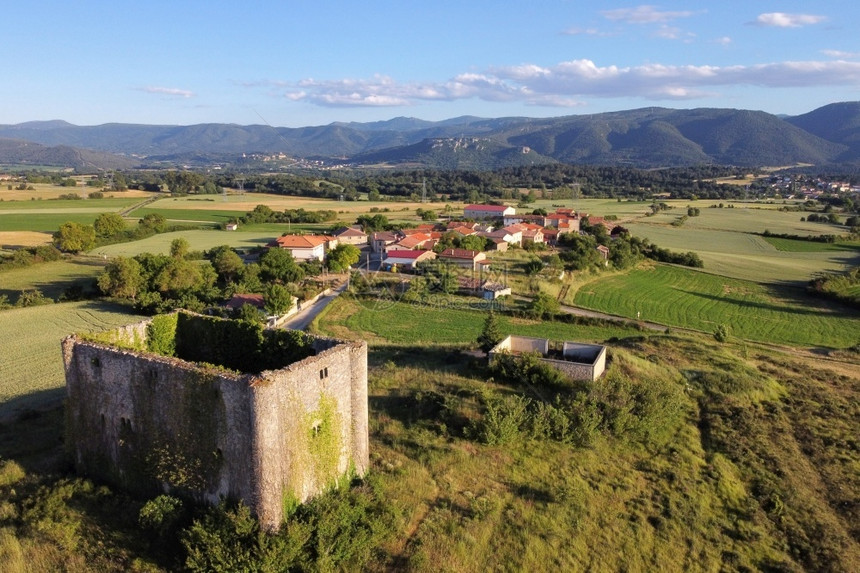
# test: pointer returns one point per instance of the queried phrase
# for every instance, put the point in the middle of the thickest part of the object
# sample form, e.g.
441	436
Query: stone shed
211	408
577	360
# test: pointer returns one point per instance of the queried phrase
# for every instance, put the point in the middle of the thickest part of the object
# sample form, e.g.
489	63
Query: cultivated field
745	256
31	365
47	191
199	240
687	298
51	279
384	320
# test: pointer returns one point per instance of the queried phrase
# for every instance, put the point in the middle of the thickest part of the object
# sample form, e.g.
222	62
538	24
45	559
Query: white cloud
644	14
723	41
568	83
841	55
168	91
783	20
587	32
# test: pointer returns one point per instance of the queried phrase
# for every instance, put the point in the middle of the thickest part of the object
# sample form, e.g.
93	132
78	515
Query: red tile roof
240	300
405	254
301	241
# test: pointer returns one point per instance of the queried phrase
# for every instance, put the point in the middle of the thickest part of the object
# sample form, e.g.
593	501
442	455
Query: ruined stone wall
582	361
575	370
310	427
150	423
519	344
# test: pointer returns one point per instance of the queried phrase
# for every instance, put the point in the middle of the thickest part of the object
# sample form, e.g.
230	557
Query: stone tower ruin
212	408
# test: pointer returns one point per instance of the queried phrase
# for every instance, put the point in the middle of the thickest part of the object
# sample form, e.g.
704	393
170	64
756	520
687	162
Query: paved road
303	319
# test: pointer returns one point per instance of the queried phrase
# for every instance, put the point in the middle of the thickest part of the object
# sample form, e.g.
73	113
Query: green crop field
745	256
70	206
745	219
201	215
31	365
687	298
404	323
47	222
49	215
798	246
199	240
51	279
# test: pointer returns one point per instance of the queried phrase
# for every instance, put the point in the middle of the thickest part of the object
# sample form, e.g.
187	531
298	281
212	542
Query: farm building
487	211
407	259
577	360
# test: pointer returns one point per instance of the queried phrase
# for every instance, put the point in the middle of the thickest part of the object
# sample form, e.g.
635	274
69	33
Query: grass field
31	365
739	254
68	206
52	278
682	297
798	246
199	240
47	216
42	191
744	218
385	321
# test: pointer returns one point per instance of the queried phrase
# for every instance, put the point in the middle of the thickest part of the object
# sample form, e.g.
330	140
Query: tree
342	257
372	223
179	247
277	299
122	278
474	243
109	224
533	267
491	334
227	263
73	237
279	265
544	306
153	222
183	181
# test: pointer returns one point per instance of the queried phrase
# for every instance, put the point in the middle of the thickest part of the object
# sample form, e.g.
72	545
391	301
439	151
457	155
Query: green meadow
746	256
31	365
445	321
686	298
51	279
198	239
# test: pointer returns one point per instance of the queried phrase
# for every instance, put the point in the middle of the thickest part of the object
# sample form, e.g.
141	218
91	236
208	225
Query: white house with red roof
304	247
407	260
487	211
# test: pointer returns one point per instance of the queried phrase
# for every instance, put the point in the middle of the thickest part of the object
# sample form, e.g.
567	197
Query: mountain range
647	138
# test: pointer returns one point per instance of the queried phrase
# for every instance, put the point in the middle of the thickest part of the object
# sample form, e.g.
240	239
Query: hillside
646	138
18	152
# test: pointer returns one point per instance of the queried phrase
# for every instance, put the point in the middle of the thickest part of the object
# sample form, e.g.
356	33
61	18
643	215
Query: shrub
161	514
504	420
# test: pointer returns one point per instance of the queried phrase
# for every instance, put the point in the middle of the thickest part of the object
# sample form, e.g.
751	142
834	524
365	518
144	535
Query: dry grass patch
18	239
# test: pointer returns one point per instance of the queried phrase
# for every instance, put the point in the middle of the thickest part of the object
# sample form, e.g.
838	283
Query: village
461	244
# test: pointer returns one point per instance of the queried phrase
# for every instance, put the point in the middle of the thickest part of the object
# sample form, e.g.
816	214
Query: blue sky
298	63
